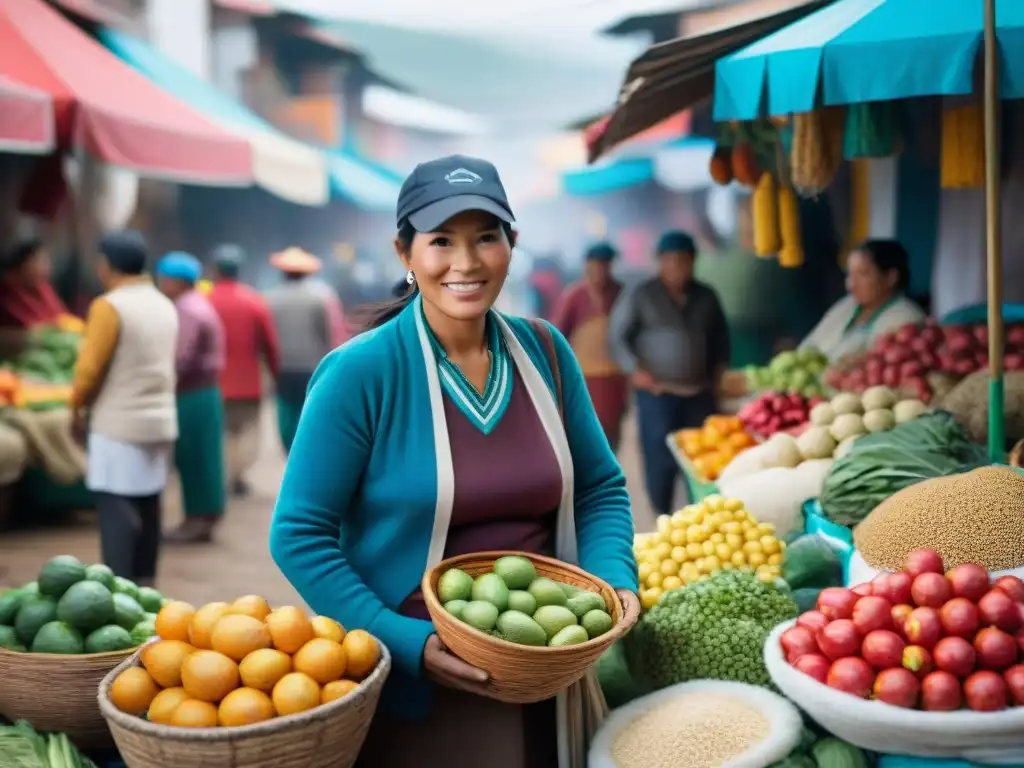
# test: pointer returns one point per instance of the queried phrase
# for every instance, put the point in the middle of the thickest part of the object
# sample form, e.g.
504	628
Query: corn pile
974	517
691	544
962	163
696	730
792	252
817	149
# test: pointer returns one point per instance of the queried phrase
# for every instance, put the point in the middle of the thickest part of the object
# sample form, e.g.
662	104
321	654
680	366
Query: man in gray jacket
670	335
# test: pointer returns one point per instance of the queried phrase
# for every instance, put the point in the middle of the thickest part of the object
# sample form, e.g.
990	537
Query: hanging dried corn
765	213
792	252
720	167
817	149
744	164
963	146
873	129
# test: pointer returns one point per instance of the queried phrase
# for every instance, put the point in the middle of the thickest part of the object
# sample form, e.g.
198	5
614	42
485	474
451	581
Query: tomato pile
918	638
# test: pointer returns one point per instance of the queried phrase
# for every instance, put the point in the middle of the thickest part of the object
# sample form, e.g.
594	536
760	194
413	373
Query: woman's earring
410	278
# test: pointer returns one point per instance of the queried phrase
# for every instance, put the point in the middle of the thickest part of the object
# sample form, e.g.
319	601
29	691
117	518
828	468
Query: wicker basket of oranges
242	686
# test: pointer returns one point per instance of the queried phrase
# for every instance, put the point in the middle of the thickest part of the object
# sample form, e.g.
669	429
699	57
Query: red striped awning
106	108
26	119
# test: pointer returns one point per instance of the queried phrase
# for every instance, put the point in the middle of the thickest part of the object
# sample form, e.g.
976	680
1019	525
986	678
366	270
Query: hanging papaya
720	166
764	206
744	164
792	252
962	162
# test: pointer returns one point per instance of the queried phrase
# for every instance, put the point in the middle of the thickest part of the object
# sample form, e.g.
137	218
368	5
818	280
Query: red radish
872	613
1014	678
959	617
813	620
997	608
1019	637
883	649
839	639
900	614
923	627
923	561
837	602
896	588
917	660
954	655
897	687
931	590
852	675
1012	586
969	581
815	665
797	642
995	648
940	692
862	590
986	692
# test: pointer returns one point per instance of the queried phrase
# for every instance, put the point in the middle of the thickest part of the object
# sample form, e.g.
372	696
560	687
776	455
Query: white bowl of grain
699	724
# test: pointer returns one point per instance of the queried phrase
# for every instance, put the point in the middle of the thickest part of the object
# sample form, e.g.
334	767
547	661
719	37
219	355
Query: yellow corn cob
764	207
792	252
963	147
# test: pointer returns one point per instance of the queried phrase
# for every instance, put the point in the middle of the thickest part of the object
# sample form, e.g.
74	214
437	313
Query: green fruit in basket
456	607
143	631
596	622
32	588
33	614
59	574
100	573
126	587
517	627
554	618
58	637
480	614
547	592
567	589
109	638
127	612
10	602
571	635
522	601
88	605
517	572
150	600
9	639
491	588
583	602
454	584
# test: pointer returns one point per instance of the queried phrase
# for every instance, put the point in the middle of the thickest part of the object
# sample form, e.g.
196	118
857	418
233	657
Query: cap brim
431	217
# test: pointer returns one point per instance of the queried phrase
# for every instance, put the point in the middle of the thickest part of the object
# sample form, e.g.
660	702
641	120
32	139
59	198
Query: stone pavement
238	562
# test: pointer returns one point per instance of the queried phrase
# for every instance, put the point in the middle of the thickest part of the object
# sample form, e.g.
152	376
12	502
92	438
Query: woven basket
329	736
57	692
521	674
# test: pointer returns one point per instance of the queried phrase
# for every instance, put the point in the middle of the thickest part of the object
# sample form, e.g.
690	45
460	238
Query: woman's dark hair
889	255
377	314
21	253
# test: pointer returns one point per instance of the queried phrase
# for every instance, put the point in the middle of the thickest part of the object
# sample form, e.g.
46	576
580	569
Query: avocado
58	637
33	614
109	638
59	574
86	606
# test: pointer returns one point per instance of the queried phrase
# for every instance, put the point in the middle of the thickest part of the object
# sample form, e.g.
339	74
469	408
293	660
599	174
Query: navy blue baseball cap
442	188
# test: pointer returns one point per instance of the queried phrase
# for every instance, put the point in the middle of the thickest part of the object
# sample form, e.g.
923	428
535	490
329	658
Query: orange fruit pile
231	664
714	445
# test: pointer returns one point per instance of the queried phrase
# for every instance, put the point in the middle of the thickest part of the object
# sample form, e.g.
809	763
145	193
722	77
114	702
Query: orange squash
720	167
744	164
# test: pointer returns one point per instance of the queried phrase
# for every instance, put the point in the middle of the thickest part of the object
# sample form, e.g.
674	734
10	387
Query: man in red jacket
250	339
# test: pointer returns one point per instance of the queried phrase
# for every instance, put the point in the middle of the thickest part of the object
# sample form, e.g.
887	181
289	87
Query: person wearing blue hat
449	428
123	392
250	341
581	314
670	335
199	362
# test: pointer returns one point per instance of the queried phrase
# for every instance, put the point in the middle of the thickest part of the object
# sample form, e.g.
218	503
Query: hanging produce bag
874	129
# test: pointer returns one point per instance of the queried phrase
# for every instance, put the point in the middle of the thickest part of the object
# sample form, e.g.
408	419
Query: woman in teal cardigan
447	429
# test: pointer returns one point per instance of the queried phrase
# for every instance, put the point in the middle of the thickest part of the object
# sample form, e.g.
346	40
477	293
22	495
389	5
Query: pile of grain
696	730
975	517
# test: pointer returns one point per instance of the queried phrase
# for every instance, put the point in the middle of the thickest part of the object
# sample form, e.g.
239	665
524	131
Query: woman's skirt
199	452
465	731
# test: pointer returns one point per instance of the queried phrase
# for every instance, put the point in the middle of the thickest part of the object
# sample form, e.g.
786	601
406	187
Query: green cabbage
879	465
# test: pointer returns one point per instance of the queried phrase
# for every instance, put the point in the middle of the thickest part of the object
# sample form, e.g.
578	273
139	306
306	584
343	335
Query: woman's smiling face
461	267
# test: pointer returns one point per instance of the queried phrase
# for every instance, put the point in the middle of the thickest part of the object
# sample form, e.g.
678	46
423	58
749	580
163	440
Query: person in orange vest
250	343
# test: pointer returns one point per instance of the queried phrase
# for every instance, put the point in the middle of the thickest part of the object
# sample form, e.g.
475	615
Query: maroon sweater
507	485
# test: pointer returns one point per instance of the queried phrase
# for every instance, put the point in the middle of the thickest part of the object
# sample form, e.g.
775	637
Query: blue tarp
856	51
365	184
610	177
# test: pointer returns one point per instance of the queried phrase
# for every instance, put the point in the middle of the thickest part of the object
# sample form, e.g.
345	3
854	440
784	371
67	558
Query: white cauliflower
879	420
816	443
875	398
847	425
